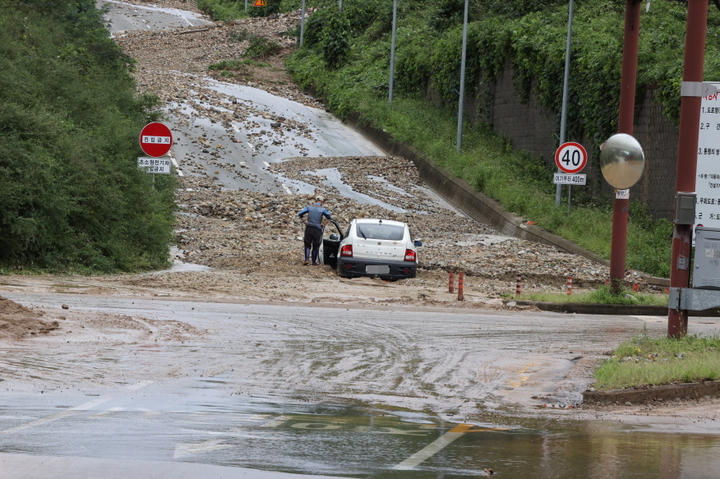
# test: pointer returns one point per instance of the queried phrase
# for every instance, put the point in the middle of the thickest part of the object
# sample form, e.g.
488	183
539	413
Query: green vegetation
262	47
602	295
71	195
645	360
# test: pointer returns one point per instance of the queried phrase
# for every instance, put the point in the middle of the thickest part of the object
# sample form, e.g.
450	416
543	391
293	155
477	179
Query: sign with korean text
571	157
156	139
707	181
159	166
568	179
623	194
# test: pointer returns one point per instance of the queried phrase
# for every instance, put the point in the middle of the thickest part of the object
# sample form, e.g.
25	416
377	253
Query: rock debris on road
252	239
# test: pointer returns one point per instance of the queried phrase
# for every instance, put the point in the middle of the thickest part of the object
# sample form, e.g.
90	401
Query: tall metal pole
462	79
302	24
340	5
687	152
618	247
563	112
392	53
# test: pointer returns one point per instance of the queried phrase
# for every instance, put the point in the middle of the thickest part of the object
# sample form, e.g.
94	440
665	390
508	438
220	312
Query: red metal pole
461	286
626	118
687	155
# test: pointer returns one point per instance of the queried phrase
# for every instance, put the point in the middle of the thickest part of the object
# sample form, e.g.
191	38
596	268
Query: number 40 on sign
571	157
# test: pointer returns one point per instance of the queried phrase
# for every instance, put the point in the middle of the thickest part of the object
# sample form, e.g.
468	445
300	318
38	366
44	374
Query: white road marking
433	448
439	444
108	412
184	450
179	14
83	407
38	422
278	421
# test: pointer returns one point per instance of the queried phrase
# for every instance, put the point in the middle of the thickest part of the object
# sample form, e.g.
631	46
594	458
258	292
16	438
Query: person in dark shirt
313	228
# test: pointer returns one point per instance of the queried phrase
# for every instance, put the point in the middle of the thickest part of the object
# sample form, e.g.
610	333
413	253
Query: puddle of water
179	266
368	442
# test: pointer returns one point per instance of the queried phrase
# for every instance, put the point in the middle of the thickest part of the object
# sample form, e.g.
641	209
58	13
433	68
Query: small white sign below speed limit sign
571	157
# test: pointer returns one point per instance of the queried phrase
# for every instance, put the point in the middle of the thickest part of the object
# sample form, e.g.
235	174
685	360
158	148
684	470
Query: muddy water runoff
351	392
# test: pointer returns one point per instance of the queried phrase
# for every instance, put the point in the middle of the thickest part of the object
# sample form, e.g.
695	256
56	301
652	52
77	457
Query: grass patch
602	295
262	47
237	64
227	65
656	361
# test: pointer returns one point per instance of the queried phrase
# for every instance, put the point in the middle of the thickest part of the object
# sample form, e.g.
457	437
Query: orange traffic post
518	285
569	285
461	286
451	282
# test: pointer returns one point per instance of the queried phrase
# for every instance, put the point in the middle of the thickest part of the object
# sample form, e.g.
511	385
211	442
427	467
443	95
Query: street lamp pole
566	81
392	54
462	79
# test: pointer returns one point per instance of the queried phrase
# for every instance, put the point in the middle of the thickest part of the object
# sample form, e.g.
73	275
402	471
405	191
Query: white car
373	247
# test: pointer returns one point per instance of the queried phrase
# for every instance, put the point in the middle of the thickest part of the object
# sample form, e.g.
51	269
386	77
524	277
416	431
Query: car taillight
346	251
410	255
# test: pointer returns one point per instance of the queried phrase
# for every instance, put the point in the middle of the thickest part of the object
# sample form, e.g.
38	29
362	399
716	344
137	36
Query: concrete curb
653	393
612	309
605	309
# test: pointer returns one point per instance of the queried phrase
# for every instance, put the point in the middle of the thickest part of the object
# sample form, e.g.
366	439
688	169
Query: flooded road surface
383	392
336	439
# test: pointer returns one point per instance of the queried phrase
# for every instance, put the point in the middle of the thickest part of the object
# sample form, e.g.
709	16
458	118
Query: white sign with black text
568	179
707	179
160	166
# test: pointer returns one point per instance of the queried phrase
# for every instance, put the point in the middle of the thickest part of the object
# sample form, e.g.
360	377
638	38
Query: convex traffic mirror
622	161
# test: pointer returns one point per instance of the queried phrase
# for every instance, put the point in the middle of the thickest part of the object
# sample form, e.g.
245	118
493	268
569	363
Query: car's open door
330	244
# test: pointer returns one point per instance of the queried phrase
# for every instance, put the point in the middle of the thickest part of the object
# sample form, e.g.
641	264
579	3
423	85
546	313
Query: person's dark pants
312	240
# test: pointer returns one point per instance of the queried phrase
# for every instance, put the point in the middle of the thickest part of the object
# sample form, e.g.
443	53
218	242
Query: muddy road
240	356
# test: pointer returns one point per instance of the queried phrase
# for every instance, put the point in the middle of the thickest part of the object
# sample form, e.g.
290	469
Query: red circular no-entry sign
156	139
571	157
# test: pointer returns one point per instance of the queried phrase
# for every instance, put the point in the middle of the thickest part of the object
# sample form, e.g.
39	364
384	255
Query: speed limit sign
571	157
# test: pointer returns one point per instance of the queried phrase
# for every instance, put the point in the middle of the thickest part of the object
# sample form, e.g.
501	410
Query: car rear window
380	231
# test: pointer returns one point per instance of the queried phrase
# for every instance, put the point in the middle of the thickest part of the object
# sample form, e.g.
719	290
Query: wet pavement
200	389
145	429
378	393
124	16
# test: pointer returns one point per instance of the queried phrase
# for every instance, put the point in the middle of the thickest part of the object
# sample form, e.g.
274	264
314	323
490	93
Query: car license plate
377	269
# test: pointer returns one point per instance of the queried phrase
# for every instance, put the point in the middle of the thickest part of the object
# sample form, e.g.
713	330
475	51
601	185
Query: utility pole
628	77
691	98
